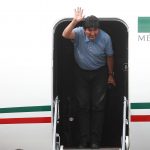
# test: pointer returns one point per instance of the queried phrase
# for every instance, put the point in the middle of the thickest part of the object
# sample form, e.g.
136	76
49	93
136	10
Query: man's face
91	33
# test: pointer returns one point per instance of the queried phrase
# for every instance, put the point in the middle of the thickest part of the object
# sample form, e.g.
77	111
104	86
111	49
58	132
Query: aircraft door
63	84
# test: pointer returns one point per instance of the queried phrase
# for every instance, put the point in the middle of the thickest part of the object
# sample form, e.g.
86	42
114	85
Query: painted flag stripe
25	120
140	105
140	118
143	24
25	109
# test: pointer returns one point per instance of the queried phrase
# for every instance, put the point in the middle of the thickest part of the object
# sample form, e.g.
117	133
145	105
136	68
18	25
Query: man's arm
68	31
110	65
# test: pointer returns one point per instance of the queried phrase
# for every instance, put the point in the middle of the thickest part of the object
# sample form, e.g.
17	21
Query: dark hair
91	22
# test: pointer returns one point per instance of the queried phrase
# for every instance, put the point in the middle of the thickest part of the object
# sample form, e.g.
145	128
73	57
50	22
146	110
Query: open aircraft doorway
63	78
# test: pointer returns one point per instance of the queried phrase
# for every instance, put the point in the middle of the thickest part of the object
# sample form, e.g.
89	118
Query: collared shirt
91	54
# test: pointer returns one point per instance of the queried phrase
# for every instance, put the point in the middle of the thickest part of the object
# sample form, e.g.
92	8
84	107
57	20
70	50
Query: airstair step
92	149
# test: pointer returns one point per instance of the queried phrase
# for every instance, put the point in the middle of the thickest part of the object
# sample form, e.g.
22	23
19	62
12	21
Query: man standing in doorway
94	70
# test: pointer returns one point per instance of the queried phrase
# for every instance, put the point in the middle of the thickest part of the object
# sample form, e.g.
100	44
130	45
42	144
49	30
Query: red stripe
140	118
25	120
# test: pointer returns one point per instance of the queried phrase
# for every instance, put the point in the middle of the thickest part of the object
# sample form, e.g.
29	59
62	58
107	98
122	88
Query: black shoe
94	146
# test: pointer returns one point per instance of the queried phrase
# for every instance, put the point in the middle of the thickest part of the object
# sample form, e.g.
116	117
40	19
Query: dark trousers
90	94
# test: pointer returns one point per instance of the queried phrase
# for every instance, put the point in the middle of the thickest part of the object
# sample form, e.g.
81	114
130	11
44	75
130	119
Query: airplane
38	110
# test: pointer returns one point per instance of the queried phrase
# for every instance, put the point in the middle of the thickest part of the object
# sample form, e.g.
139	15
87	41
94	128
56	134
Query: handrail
55	118
124	124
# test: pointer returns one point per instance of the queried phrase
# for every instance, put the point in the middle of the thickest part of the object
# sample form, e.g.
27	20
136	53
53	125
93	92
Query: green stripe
25	109
143	24
140	105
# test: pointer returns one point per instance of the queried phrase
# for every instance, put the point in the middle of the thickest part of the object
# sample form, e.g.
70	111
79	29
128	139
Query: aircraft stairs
56	137
92	149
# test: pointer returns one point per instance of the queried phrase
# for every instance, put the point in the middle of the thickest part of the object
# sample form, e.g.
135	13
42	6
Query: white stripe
25	114
140	112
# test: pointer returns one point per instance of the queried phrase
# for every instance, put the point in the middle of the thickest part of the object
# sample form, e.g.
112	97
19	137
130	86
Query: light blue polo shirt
91	54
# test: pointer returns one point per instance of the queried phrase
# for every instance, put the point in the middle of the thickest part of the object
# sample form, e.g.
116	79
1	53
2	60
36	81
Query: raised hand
78	16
